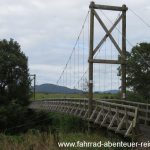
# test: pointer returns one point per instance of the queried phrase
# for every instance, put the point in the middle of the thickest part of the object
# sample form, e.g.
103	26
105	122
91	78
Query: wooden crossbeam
121	123
81	111
129	129
93	113
86	114
107	31
103	61
106	35
106	7
113	120
77	109
98	116
105	118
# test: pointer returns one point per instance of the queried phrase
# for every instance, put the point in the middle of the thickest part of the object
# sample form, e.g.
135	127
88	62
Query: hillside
51	88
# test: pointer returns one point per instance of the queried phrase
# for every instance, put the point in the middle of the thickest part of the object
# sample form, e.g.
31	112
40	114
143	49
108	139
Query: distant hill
51	88
109	91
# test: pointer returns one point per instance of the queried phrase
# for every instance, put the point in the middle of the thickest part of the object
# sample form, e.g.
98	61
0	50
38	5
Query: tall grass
34	140
28	141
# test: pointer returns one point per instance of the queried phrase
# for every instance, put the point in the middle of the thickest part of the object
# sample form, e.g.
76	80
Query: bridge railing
143	109
117	117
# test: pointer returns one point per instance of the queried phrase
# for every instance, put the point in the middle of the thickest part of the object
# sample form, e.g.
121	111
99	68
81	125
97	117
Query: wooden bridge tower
121	50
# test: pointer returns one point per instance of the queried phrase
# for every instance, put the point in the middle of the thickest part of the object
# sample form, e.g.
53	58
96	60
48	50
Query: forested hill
52	88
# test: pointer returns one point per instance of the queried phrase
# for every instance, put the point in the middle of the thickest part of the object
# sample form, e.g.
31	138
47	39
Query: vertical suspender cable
111	67
78	63
74	67
105	69
83	63
70	72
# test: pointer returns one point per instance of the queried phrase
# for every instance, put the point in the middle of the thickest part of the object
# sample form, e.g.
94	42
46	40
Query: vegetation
62	128
14	84
39	96
15	90
138	72
14	76
35	140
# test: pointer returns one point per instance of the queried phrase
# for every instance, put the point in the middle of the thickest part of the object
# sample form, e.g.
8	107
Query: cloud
48	29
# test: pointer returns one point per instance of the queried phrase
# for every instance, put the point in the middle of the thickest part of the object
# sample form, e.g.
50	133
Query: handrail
117	100
125	101
78	99
79	107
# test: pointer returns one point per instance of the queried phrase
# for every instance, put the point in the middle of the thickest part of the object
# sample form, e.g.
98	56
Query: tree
14	84
14	76
138	70
15	91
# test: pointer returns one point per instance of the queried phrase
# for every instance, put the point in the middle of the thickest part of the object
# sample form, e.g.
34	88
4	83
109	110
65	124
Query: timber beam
103	61
106	7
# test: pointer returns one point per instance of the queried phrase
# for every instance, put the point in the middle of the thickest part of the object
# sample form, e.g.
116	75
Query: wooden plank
81	111
113	120
123	56
105	37
120	111
90	89
103	61
86	114
106	30
129	130
98	116
105	118
121	123
128	102
93	113
107	7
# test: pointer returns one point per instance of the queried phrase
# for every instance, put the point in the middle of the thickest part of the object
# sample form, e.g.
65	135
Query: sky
48	29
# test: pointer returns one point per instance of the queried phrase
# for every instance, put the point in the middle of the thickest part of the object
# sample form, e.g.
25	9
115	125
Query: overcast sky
47	29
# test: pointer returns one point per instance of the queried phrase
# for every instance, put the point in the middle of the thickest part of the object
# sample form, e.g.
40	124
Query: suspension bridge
105	55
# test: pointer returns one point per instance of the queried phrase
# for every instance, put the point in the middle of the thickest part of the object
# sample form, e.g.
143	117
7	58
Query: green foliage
138	71
14	85
14	77
64	123
136	97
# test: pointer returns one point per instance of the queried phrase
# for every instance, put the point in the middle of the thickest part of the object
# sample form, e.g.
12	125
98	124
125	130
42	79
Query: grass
96	96
34	140
28	141
130	96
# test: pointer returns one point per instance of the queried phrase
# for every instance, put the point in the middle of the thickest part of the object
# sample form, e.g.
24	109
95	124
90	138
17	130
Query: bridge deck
117	115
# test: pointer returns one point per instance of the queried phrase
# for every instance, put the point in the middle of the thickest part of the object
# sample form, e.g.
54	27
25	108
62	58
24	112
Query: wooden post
92	51
34	84
90	59
123	57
